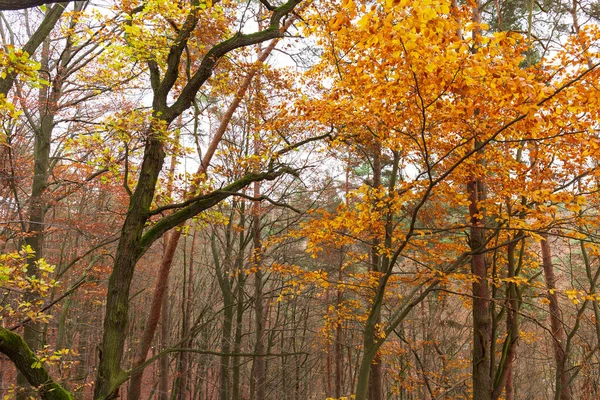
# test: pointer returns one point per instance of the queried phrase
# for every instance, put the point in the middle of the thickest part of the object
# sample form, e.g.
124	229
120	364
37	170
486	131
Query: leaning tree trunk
167	260
160	292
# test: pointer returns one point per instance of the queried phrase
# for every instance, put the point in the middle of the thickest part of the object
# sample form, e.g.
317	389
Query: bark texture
482	381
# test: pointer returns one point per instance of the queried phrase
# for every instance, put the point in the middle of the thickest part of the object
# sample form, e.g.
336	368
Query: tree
134	241
440	118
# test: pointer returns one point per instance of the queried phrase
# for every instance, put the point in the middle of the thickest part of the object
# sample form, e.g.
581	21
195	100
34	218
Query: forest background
305	199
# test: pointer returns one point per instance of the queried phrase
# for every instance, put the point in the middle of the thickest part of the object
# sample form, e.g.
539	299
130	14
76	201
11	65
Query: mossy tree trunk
29	365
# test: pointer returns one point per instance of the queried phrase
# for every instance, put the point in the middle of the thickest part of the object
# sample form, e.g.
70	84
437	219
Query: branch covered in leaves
34	41
237	41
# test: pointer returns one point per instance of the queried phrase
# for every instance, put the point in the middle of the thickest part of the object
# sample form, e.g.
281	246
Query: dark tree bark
482	324
239	312
181	382
222	272
38	203
160	292
482	381
376	376
509	349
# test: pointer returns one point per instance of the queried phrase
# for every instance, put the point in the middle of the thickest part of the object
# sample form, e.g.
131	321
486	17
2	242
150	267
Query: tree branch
209	61
15	348
6	5
34	41
203	203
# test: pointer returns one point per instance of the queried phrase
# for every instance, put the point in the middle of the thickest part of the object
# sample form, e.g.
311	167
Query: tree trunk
338	346
510	390
556	326
163	362
160	292
181	383
239	315
328	353
110	375
369	354
32	331
513	305
375	376
482	382
222	270
258	366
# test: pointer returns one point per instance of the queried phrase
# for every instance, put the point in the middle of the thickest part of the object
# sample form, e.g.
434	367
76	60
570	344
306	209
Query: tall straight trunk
338	341
482	329
482	381
82	368
375	376
328	352
239	310
370	347
32	332
556	326
510	390
237	344
163	362
258	366
183	368
222	272
369	380
513	305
